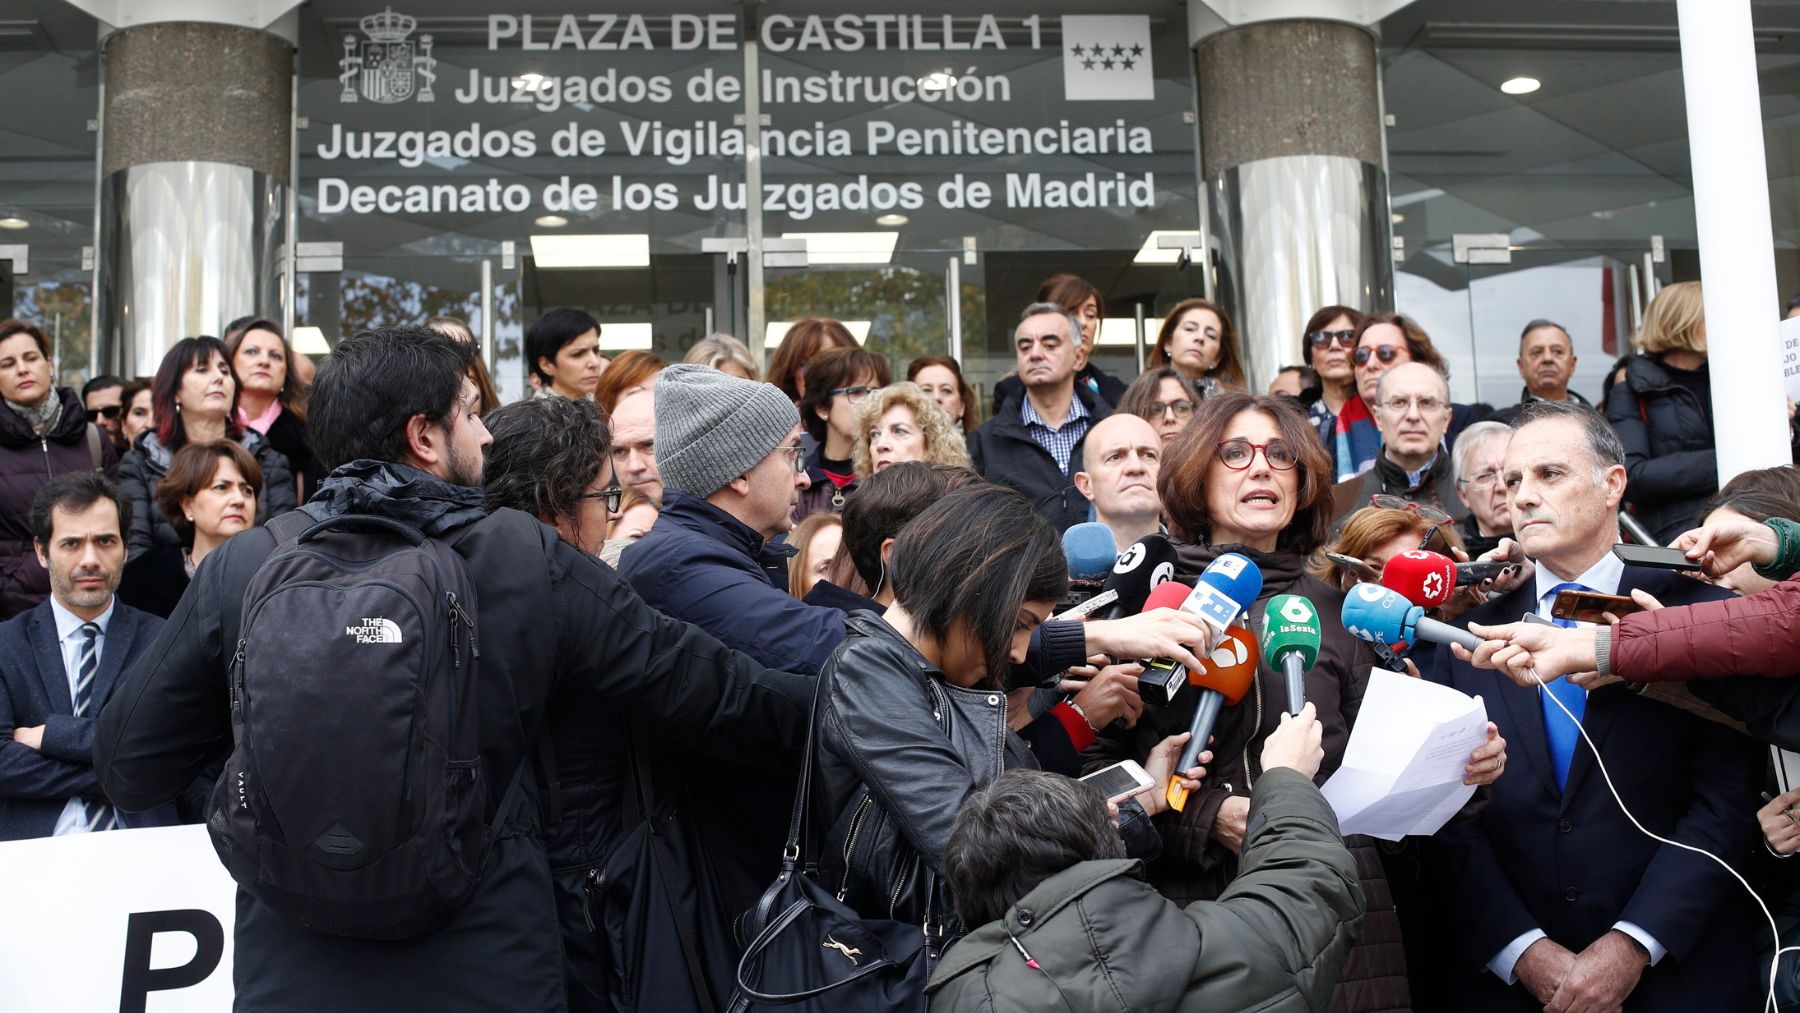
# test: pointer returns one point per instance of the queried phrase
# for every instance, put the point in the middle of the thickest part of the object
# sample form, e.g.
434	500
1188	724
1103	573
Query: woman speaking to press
1248	475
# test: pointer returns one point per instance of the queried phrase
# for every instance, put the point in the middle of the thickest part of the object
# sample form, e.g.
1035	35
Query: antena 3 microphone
1291	640
1227	675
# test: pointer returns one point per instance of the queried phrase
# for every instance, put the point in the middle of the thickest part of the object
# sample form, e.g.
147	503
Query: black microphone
1145	563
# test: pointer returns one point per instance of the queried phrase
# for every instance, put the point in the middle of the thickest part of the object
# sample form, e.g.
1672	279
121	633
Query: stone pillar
195	168
1293	164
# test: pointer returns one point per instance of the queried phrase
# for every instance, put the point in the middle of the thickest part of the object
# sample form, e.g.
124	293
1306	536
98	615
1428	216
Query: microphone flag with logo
1421	577
1291	639
1145	564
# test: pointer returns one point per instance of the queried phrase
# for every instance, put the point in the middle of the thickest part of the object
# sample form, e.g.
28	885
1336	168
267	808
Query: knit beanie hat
712	427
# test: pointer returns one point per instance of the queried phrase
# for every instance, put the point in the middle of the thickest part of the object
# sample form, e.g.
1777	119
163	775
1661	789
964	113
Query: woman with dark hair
550	458
803	342
271	399
1081	300
1198	339
839	382
208	495
1385	340
137	413
1345	426
1247	475
942	378
1163	397
636	368
195	398
913	713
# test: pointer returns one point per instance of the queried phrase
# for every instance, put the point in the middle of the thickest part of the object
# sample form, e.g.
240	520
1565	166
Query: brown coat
1193	866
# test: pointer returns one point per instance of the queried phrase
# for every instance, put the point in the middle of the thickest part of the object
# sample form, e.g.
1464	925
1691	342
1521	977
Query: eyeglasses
854	395
1386	353
798	454
1321	339
1427	405
1426	513
1481	481
110	411
612	495
1237	454
1180	409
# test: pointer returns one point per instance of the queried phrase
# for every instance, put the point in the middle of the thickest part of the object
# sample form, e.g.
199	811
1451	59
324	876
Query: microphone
1291	638
1381	616
1226	676
1423	578
1090	551
1159	683
1224	591
1145	564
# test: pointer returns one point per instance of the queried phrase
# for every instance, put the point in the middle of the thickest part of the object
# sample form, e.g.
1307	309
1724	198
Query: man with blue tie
1561	903
60	661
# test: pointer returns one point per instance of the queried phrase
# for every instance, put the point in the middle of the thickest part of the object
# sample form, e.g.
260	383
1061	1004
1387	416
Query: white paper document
1403	769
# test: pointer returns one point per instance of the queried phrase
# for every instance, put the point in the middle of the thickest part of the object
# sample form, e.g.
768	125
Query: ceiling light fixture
529	82
14	222
552	221
621	250
892	220
310	341
626	336
941	80
1521	86
1398	218
847	247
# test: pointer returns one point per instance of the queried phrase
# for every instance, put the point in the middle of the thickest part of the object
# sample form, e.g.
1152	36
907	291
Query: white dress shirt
73	819
1604	577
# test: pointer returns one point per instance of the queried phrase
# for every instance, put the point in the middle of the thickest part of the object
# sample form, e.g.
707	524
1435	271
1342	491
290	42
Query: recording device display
1379	615
1588	606
1229	672
1655	556
1163	678
1143	565
1090	551
1120	781
1291	640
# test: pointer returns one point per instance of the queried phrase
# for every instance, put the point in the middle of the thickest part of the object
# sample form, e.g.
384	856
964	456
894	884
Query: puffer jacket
27	461
1194	866
900	748
1670	463
145	464
1103	939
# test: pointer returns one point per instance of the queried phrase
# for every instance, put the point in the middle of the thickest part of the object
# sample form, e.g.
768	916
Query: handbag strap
640	807
790	852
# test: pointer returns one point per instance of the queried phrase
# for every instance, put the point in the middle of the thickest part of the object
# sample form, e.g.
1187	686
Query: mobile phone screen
1121	780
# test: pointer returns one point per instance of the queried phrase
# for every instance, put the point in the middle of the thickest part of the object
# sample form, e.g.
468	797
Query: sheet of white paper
1403	767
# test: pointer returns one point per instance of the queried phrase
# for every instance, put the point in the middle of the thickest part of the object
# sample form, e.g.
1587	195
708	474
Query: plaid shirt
1059	442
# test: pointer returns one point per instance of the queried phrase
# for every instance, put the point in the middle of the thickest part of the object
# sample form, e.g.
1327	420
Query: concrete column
1293	164
195	168
1731	208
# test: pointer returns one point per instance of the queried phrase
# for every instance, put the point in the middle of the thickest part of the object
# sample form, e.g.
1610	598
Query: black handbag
810	952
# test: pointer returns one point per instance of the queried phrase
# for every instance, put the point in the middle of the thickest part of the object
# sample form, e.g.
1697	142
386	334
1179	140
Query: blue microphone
1090	551
1382	616
1227	587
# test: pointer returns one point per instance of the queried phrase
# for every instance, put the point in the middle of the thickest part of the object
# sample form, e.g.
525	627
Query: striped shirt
1060	442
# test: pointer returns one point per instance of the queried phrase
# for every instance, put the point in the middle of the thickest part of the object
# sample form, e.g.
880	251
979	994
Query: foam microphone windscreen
1090	551
1231	667
1380	615
1227	587
1291	625
1421	577
1167	595
1143	565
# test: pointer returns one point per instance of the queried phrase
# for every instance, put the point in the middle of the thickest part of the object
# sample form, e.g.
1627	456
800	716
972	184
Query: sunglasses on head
1386	353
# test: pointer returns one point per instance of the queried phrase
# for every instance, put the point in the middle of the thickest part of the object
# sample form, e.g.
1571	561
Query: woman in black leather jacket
914	716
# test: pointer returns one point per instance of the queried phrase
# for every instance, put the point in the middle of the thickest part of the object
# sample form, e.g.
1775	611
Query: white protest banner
1790	356
132	920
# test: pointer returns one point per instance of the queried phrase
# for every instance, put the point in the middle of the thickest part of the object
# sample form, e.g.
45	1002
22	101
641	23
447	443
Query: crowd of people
737	625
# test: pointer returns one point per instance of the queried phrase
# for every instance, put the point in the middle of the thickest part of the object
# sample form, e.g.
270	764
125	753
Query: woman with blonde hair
815	541
726	354
903	423
1662	411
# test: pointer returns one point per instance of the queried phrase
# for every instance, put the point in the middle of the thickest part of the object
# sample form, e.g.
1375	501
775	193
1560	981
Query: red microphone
1427	579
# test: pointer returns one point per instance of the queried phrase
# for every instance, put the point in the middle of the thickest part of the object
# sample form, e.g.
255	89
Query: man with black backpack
379	665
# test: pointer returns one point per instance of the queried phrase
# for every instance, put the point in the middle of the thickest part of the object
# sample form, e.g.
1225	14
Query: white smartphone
1120	781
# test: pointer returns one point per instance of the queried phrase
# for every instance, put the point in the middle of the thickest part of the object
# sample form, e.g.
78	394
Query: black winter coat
1669	457
1003	451
291	439
145	464
26	463
559	632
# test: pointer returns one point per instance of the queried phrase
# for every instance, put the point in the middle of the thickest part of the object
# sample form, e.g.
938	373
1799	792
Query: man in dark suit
60	661
1562	904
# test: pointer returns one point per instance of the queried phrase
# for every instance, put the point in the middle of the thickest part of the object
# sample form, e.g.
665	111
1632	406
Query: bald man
1412	410
1119	463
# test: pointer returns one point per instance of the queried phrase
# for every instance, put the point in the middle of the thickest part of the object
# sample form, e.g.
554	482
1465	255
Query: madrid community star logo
386	67
1106	57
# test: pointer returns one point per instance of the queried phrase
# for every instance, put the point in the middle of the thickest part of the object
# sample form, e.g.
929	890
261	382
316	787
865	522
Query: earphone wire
1769	1003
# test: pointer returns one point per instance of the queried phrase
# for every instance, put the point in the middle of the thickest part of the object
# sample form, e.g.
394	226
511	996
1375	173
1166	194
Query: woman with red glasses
1345	426
1248	475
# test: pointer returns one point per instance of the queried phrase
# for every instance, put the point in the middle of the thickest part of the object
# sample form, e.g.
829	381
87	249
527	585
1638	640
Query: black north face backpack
353	800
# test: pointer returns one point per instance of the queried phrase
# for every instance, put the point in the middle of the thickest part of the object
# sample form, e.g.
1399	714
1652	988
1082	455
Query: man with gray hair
1033	443
1546	362
1412	410
1560	901
1478	455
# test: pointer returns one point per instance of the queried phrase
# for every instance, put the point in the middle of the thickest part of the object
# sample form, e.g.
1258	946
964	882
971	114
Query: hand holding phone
1591	606
1656	557
1120	781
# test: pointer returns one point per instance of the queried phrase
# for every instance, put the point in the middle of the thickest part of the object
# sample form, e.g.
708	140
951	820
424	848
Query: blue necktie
99	814
1562	733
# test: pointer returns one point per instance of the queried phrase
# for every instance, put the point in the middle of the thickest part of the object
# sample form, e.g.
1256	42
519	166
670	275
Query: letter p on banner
128	920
